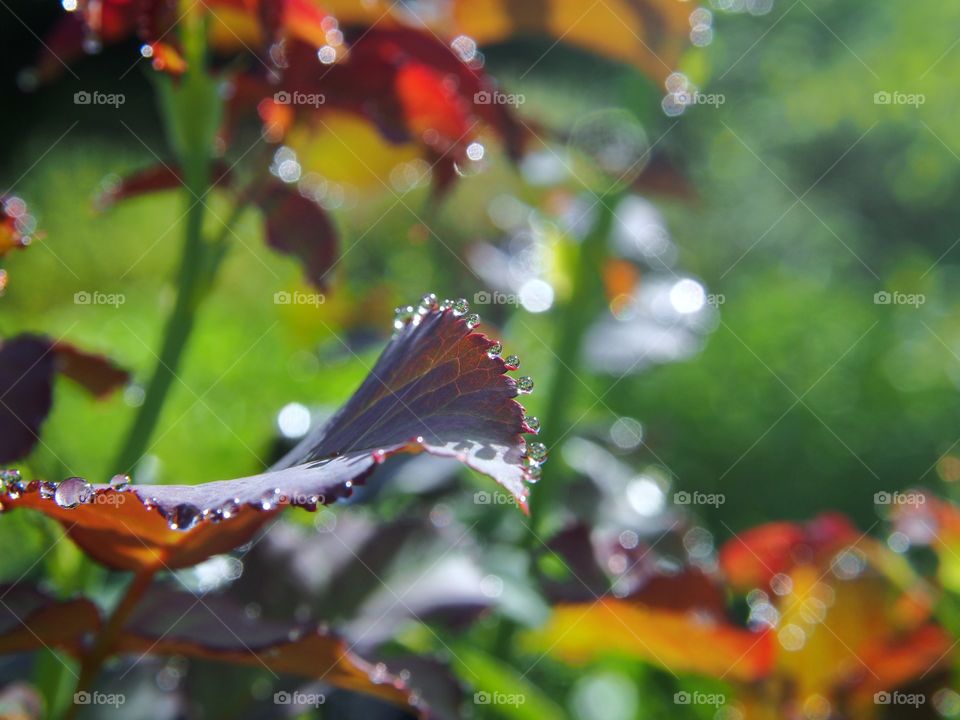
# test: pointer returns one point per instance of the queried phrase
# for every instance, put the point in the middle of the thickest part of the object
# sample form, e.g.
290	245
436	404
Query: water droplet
120	482
537	451
534	472
461	307
525	384
380	674
72	492
446	304
211	515
270	499
495	349
403	317
8	478
428	303
512	361
472	321
183	517
47	490
532	423
229	509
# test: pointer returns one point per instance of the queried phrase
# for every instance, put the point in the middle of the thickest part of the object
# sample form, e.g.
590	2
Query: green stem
575	317
107	637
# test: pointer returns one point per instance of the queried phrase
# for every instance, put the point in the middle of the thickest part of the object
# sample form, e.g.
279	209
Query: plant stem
107	637
575	317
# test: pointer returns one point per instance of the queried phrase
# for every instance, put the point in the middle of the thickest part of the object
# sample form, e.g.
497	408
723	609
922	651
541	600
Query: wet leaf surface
436	388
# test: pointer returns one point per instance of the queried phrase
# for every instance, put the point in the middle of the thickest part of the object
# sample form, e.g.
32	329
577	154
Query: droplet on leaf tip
532	423
512	361
472	321
72	492
428	303
495	349
461	307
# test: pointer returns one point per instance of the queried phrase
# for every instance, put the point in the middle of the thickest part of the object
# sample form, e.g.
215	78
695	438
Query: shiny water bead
537	451
512	361
533	473
525	384
229	509
428	303
183	517
446	304
211	514
495	349
403	316
120	482
72	492
47	489
461	307
532	423
270	499
472	320
7	478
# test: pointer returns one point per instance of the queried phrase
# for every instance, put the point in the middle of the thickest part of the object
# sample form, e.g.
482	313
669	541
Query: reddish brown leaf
678	641
32	620
435	388
156	178
96	373
297	226
171	623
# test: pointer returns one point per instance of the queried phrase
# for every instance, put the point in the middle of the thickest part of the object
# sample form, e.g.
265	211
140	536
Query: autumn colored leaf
155	178
32	620
28	364
649	34
752	558
175	623
679	641
298	226
439	387
15	224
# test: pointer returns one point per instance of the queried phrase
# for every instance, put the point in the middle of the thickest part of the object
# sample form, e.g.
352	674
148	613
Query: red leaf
96	373
435	388
755	556
31	620
156	178
297	226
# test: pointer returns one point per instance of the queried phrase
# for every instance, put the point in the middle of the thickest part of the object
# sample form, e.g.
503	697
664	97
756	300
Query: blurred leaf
504	691
650	34
31	619
679	641
27	367
175	623
19	701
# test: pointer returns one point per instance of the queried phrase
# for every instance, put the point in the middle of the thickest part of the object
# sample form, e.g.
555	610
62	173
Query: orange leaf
650	34
678	641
